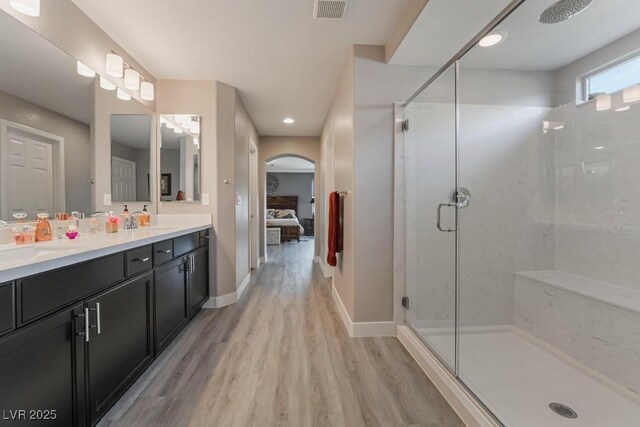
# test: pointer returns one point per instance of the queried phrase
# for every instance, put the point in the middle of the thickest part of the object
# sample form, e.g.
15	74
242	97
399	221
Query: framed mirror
130	158
180	173
46	110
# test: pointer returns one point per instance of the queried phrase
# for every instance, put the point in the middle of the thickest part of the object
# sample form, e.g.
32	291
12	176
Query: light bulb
85	71
114	65
146	91
131	79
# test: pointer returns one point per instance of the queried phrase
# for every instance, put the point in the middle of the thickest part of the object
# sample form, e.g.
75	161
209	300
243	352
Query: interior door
29	161
123	180
431	215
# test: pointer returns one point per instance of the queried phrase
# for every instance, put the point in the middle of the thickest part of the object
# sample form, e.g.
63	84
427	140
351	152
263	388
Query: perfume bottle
23	234
112	222
43	228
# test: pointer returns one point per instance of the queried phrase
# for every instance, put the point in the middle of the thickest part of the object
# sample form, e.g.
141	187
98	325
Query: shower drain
563	410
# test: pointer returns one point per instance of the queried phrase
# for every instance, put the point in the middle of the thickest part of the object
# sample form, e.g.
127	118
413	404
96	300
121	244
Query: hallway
281	356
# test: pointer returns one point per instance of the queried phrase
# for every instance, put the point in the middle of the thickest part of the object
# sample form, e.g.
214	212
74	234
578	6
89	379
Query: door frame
254	206
57	142
328	188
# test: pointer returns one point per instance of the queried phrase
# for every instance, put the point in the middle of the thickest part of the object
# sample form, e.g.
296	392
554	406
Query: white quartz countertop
17	261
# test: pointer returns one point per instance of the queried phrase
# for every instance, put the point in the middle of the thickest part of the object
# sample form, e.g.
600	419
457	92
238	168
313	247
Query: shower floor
517	380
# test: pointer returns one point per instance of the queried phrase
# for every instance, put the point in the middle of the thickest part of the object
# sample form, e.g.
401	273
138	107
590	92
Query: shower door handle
439	215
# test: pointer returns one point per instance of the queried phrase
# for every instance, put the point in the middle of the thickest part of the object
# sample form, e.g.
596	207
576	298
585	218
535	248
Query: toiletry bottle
111	224
125	212
146	216
43	228
93	225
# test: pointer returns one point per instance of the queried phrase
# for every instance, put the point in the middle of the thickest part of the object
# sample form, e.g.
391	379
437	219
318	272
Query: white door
254	207
29	167
123	180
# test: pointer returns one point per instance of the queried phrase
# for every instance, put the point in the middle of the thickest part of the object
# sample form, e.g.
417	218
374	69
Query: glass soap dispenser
43	228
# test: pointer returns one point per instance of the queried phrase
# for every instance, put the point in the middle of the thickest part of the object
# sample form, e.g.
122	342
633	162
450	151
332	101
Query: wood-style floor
281	356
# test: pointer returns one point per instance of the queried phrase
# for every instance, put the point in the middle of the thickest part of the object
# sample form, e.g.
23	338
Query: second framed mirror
179	158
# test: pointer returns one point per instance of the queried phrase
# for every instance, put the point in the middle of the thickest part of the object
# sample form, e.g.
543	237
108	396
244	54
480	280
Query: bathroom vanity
78	328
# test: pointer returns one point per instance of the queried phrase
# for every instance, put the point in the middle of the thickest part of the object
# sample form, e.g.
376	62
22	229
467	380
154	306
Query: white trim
221	301
362	329
462	402
243	286
327	271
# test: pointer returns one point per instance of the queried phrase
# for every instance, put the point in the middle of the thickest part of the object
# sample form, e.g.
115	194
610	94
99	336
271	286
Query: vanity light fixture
177	130
121	94
492	39
106	84
601	147
625	108
26	7
631	94
194	128
114	65
146	91
85	71
288	121
131	79
558	126
603	102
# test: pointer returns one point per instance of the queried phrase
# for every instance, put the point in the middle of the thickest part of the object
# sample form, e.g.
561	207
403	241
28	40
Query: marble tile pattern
603	336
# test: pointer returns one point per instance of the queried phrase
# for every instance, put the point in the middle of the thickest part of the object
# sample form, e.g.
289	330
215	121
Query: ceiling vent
330	9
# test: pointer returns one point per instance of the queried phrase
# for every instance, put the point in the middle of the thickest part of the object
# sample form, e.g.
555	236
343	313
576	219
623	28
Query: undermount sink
12	253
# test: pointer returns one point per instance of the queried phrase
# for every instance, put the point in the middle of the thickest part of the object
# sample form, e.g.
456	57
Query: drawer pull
166	251
141	259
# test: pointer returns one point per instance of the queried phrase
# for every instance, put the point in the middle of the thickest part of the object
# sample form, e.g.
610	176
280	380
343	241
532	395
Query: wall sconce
131	79
146	91
114	65
121	94
106	84
85	71
603	102
631	94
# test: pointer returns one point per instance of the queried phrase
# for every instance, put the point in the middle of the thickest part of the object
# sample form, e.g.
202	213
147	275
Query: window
613	79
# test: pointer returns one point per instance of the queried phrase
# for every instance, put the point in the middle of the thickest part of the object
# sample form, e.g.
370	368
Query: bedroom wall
296	184
280	146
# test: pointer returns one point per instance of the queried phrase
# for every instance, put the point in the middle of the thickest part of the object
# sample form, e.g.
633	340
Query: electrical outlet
205	198
106	199
238	199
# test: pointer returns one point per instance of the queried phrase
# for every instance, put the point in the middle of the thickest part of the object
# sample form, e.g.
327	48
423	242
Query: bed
282	213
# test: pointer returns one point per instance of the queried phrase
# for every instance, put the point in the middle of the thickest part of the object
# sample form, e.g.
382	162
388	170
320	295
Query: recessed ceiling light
599	148
26	7
492	39
288	121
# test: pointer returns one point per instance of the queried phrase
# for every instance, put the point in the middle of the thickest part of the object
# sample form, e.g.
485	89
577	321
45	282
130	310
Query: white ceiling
283	62
35	70
290	165
133	130
445	26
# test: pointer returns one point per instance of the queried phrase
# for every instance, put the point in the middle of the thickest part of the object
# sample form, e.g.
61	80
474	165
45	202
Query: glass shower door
430	216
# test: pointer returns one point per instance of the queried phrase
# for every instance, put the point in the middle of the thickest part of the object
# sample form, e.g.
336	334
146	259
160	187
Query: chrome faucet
131	221
98	214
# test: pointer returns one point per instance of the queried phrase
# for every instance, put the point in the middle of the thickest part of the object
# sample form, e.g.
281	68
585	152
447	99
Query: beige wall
279	146
77	146
338	129
245	131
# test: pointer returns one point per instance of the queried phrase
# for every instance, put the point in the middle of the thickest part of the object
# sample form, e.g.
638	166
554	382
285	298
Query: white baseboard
327	271
243	286
362	329
470	411
228	299
221	301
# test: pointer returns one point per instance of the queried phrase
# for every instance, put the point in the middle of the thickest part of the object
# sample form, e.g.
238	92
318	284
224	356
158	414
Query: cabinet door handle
166	251
85	316
141	259
98	318
193	263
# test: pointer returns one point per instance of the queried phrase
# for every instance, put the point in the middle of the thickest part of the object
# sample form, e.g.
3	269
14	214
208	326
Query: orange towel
335	230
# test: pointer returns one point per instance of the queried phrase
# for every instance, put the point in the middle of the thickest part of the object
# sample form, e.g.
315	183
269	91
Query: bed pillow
271	214
284	213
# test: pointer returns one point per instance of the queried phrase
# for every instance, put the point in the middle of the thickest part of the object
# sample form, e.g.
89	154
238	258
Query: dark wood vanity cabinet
42	372
171	306
73	340
120	345
198	280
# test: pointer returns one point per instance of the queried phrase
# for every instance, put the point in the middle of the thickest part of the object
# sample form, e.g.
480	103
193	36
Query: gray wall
77	147
296	184
170	163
